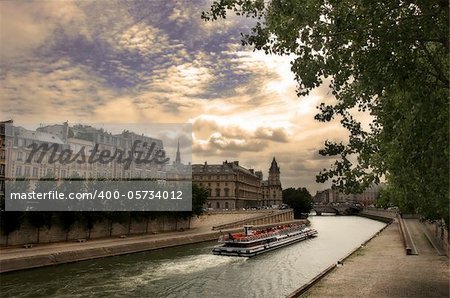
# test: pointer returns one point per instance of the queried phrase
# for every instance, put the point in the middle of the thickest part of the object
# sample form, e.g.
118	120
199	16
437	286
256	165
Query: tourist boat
254	242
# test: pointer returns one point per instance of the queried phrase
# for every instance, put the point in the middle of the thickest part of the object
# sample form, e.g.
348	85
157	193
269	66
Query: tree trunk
129	224
164	217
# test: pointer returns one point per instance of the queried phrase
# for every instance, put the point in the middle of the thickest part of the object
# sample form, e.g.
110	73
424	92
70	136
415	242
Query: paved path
382	269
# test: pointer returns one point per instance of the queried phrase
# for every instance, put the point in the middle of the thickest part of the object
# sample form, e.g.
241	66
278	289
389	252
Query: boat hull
260	249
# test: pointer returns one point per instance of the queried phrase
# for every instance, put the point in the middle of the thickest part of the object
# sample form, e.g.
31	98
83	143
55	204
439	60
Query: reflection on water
192	271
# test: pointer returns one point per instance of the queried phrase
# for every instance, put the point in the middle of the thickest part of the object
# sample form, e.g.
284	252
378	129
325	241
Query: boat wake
181	266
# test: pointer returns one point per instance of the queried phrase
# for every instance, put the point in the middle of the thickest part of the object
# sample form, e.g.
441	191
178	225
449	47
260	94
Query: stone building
178	170
18	154
232	186
332	195
4	127
271	188
79	138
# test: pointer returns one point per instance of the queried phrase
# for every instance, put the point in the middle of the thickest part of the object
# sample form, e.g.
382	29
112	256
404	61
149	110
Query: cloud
27	26
142	38
273	134
157	61
52	88
220	145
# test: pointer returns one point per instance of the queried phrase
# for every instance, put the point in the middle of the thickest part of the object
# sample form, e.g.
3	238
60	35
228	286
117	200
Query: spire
274	166
178	158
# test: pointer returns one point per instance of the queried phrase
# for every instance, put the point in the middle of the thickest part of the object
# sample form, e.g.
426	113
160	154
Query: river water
192	271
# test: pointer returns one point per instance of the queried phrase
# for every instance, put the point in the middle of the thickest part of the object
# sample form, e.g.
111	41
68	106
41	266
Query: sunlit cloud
157	61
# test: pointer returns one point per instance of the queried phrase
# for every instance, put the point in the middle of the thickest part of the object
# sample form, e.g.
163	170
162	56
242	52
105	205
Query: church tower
274	173
178	157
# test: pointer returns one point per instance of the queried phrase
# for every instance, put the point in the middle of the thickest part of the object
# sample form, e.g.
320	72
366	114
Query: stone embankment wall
27	234
378	214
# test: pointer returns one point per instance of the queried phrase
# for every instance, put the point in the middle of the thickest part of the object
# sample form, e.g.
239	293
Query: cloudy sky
157	61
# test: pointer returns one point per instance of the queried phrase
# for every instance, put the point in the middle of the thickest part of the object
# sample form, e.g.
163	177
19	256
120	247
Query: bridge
343	209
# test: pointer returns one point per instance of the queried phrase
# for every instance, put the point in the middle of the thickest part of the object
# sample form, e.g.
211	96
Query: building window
19	155
217	205
218	184
27	171
35	172
218	177
226	205
18	171
217	192
227	192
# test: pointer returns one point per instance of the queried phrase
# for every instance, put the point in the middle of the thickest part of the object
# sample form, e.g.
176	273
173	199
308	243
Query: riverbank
382	269
13	259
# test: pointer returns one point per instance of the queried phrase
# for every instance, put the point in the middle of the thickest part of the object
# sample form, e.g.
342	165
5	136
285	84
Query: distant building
366	198
271	188
4	127
326	196
232	186
178	170
18	153
76	138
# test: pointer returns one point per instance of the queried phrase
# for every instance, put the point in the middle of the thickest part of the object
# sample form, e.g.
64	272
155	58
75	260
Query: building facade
271	188
4	127
62	138
332	195
232	186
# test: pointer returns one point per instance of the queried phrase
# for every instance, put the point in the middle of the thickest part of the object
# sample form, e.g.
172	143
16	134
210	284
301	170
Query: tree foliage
199	197
389	59
298	199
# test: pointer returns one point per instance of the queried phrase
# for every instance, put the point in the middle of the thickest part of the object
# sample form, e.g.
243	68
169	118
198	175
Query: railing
263	235
249	220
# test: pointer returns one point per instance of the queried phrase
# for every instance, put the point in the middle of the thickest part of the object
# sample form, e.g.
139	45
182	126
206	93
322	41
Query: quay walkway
382	269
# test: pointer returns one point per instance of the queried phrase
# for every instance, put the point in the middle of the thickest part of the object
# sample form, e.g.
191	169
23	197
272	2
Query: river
192	271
